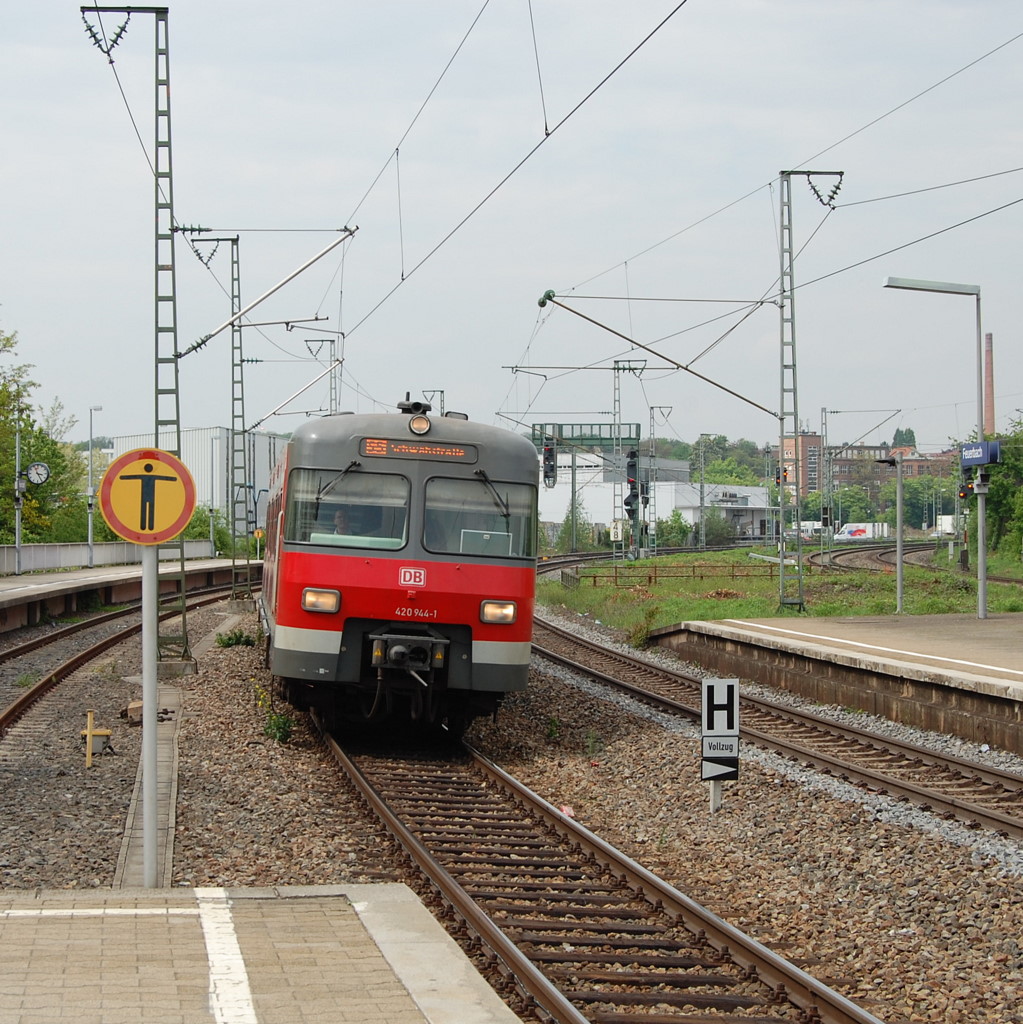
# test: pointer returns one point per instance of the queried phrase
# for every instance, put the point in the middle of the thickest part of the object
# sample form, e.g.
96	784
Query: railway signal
720	735
550	462
966	489
632	480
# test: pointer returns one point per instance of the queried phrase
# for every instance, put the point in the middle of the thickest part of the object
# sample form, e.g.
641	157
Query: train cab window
471	517
347	510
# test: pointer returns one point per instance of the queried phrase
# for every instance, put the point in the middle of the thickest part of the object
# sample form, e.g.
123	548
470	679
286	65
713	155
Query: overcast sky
522	168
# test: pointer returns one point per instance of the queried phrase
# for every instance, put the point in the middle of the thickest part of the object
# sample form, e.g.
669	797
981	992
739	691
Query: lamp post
92	493
896	461
964	289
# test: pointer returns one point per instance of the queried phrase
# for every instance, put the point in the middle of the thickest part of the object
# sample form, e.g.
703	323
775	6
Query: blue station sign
980	453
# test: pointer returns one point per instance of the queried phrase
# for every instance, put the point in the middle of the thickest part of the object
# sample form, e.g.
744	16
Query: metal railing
42	557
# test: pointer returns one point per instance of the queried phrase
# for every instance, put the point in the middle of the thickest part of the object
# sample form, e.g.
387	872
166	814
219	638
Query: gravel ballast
917	918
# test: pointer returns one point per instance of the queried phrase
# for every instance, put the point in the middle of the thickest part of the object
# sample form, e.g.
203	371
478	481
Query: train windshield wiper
333	482
500	502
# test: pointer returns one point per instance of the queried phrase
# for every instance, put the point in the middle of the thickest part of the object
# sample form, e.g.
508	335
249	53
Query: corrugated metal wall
206	452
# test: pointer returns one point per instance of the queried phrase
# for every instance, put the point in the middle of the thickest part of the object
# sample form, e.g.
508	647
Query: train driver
341	521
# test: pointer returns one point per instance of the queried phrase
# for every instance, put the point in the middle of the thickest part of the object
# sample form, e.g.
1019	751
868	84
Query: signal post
720	735
147	496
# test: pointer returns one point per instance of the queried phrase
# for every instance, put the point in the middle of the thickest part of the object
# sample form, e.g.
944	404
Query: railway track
24	682
981	796
577	931
882	558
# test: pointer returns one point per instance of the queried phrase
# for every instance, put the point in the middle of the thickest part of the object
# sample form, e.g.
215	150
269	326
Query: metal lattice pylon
790	577
242	522
172	641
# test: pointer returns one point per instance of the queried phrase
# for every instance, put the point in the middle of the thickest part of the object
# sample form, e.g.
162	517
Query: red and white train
400	568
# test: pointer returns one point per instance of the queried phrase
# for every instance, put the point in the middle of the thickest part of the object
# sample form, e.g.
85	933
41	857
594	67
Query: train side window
467	517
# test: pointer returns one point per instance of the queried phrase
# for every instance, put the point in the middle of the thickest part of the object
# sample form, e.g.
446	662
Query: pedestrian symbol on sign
147	505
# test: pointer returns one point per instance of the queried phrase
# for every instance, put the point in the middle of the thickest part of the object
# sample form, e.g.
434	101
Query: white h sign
721	707
720	741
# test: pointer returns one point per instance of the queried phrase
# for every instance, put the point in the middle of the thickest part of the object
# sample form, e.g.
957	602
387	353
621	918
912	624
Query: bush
236	638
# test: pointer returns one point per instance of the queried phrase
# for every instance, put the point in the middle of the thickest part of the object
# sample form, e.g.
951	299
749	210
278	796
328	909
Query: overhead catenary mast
172	643
790	583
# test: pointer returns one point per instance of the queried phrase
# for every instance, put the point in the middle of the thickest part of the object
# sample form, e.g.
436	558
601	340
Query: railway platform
276	955
987	651
26	599
289	955
950	673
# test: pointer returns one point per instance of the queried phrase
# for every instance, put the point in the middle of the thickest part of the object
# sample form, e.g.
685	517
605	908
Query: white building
746	508
206	453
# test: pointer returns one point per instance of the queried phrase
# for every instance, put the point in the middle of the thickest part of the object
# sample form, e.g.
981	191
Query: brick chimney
989	386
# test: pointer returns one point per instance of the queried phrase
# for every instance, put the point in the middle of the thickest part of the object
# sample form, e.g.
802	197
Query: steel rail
809	994
526	975
10	714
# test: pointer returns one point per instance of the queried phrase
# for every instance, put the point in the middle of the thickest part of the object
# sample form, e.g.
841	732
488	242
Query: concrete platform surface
289	955
990	648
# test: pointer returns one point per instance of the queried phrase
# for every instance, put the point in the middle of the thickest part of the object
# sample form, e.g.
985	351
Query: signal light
966	489
632	480
550	463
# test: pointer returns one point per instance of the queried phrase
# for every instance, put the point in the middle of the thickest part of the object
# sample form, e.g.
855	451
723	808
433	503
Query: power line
827	149
916	241
522	162
931	188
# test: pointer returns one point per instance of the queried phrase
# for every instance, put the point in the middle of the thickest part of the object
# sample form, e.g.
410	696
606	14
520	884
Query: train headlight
420	424
498	611
315	600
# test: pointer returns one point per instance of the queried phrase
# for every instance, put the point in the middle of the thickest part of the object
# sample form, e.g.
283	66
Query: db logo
411	577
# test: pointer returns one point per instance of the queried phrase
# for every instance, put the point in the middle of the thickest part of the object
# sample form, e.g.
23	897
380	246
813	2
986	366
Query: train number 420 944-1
415	613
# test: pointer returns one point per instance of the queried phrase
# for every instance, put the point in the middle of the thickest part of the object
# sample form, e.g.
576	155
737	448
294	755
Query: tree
673	532
717	530
730	471
1005	497
99	442
52	511
917	501
905	437
851	504
747	455
583	531
810	507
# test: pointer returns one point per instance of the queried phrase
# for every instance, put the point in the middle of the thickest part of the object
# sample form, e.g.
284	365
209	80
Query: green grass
640	608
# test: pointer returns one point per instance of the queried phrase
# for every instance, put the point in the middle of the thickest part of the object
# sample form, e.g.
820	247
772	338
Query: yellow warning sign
147	496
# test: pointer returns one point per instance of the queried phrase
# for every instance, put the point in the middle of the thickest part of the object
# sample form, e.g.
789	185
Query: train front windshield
372	510
347	509
480	517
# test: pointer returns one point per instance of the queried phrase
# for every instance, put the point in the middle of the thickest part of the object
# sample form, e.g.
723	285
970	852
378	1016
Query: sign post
720	735
147	496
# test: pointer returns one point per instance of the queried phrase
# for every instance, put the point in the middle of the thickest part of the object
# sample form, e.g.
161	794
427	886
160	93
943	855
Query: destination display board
409	448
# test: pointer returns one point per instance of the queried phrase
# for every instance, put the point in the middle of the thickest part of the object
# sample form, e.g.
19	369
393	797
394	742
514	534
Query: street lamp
964	289
896	461
92	492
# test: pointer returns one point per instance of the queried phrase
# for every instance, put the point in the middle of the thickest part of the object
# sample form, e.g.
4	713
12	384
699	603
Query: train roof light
419	424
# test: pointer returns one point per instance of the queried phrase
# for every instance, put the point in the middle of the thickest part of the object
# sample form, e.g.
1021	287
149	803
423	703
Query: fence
631	576
40	557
